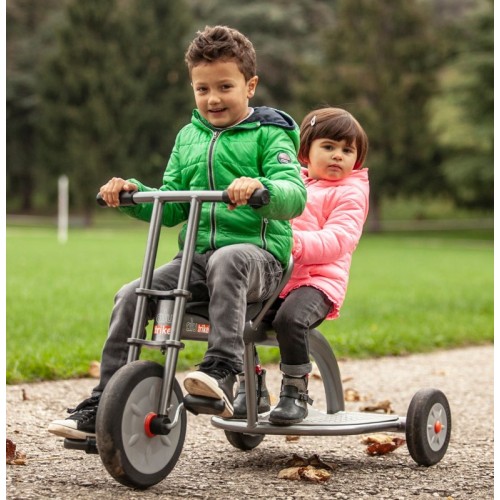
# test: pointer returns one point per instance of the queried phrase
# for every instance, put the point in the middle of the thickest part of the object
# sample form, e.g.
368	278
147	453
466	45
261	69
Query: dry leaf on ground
312	468
351	395
315	460
289	438
384	406
14	457
308	473
381	444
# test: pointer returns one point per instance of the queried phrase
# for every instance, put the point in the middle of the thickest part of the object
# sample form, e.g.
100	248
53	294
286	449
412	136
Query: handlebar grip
126	199
259	198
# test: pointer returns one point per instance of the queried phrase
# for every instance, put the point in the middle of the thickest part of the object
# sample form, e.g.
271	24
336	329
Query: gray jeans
228	278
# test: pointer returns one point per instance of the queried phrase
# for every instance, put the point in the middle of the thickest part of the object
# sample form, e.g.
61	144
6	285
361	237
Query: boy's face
221	93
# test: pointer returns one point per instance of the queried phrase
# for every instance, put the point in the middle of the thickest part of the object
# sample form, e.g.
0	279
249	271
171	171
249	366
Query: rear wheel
243	441
129	454
428	426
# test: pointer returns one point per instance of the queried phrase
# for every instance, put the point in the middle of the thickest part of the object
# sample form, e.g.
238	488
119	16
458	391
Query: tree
463	111
112	93
159	32
282	33
27	24
84	89
380	61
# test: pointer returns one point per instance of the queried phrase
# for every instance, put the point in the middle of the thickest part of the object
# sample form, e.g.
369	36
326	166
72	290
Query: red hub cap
147	424
438	427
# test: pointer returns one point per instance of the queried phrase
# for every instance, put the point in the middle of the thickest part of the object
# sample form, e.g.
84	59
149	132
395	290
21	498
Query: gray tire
428	426
128	453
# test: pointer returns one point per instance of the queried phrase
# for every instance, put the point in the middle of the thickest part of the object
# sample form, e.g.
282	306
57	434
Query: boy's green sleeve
173	213
281	175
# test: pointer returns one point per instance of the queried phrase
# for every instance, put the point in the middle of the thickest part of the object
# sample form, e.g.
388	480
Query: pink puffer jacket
327	233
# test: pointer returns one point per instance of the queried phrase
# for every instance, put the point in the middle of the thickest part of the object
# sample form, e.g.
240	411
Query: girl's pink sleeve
339	235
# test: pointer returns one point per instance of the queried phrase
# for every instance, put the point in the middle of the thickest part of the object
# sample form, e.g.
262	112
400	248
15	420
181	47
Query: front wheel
243	441
428	426
131	456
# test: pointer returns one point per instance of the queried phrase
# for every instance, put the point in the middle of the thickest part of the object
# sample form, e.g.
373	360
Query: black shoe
80	424
292	406
263	399
214	379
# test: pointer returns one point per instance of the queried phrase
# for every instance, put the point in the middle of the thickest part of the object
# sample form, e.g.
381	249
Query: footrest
87	445
200	404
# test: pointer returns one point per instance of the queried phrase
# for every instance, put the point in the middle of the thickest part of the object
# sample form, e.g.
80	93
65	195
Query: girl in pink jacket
333	147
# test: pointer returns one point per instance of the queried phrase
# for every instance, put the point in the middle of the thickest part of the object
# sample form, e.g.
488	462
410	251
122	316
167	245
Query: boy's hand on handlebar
241	189
111	190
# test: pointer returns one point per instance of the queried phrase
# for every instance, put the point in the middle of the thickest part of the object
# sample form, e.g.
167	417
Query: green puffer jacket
264	147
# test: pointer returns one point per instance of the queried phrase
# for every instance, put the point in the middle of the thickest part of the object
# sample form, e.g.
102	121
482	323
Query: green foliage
282	32
406	294
158	34
463	111
379	63
27	22
84	90
99	88
112	93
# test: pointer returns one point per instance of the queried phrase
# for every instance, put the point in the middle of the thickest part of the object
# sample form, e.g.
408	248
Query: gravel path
210	468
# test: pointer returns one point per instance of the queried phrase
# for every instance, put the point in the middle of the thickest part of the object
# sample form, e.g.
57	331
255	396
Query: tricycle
141	420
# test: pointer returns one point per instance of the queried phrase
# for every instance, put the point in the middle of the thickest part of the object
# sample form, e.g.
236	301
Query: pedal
87	445
200	404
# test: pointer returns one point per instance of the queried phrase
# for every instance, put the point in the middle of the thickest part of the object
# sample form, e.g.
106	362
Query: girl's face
331	160
221	92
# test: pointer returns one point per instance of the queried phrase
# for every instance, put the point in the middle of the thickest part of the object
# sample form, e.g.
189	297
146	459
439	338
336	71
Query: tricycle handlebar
259	198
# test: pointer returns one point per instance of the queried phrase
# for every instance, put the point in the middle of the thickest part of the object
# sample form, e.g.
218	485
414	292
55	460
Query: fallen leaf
314	474
291	473
347	379
351	395
314	460
384	406
291	438
308	473
11	450
376	438
95	369
14	457
384	448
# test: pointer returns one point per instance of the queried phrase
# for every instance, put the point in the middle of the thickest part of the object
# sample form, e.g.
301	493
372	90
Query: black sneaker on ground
80	424
214	379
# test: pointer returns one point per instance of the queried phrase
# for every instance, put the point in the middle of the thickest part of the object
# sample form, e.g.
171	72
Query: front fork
161	423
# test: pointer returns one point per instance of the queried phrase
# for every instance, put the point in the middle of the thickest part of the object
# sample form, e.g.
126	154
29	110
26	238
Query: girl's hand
111	190
241	189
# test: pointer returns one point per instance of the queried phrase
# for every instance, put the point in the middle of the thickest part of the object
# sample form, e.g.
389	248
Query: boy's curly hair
217	43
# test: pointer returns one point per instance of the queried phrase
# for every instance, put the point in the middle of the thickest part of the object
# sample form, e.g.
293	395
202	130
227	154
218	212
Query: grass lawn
408	293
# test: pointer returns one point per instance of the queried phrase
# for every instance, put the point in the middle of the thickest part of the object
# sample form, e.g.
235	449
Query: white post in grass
62	209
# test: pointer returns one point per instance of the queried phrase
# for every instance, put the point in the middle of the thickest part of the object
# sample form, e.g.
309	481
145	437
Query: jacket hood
271	116
262	115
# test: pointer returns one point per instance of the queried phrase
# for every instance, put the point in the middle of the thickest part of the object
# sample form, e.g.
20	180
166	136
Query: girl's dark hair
216	43
336	124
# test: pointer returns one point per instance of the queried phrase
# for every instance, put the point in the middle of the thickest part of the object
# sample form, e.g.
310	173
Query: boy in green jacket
240	251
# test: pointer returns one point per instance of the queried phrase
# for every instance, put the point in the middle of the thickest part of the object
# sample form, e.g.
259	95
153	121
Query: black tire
129	455
428	426
243	441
